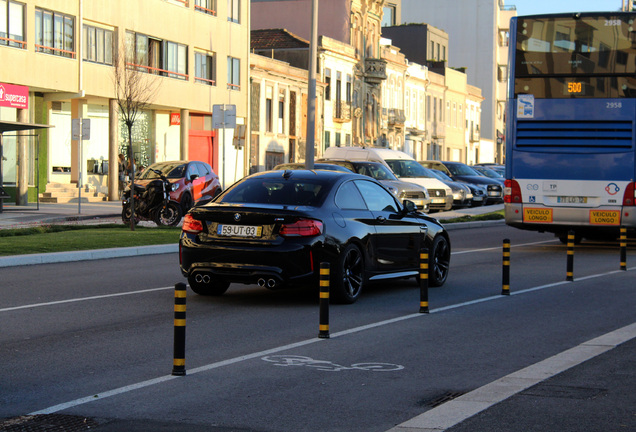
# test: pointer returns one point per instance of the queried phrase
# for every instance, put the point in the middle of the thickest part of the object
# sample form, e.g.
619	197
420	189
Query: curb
88	255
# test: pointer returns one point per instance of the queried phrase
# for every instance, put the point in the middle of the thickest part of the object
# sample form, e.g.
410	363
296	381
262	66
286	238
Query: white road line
80	299
457	410
512	245
228	362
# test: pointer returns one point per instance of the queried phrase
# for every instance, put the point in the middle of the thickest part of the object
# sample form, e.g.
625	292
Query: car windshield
441	175
488	172
172	170
375	170
460	169
408	168
286	192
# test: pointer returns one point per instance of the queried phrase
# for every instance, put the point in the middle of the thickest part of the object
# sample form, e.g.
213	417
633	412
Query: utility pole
311	102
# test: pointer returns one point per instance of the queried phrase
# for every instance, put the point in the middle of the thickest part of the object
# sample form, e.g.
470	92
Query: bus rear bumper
559	220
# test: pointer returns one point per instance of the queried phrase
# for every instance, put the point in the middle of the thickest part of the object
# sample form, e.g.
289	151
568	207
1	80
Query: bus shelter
19	130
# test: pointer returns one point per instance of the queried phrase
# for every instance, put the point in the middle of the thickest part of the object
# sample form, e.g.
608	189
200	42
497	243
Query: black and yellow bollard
178	365
324	301
570	262
623	248
424	280
505	277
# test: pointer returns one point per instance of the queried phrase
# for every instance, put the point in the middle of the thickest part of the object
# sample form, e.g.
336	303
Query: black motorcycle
152	202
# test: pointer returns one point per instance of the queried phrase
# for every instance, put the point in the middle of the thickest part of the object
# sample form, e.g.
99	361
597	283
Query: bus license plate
537	215
239	230
605	217
572	199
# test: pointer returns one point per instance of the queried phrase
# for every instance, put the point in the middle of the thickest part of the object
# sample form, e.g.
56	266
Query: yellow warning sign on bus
605	217
537	215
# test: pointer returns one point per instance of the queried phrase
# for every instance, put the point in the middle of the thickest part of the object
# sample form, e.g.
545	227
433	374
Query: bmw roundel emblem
237	217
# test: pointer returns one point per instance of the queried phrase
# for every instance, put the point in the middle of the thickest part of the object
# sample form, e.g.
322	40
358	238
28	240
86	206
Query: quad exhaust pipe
202	278
270	283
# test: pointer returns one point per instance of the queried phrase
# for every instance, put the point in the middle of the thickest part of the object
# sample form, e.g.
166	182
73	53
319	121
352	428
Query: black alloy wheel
170	216
440	261
348	276
208	287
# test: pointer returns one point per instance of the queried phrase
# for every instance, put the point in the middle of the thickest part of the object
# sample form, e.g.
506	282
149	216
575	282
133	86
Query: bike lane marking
228	362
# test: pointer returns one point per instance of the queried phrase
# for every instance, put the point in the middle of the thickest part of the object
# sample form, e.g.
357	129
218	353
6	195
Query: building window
205	68
269	106
348	90
12	24
327	139
281	112
233	73
54	33
338	139
205	6
388	15
98	45
156	56
234	11
504	35
428	108
407	107
502	73
328	82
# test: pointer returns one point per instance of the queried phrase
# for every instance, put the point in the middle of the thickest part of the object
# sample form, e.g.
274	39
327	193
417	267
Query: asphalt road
92	342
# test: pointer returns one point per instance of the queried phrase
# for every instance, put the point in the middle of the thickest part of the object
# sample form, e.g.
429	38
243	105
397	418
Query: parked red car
192	180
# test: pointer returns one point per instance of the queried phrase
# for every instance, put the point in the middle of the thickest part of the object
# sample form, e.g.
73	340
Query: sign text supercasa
14	96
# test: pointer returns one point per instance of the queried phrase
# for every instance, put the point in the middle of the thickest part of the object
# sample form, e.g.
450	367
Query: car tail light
192	225
301	228
512	192
630	194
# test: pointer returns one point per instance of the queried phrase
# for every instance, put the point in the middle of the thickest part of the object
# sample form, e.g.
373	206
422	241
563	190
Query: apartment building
416	134
64	53
355	23
478	40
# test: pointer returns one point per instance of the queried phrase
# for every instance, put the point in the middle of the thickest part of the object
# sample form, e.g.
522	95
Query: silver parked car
401	189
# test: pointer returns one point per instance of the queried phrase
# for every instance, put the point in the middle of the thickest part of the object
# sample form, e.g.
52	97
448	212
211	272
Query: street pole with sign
80	130
223	116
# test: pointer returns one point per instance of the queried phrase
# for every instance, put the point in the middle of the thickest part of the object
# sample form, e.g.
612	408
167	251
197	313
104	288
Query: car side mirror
193	177
409	206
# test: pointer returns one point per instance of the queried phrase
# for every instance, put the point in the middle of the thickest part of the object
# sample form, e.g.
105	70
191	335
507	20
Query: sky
532	7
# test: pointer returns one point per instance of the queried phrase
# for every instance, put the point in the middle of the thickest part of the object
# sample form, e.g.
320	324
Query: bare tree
135	90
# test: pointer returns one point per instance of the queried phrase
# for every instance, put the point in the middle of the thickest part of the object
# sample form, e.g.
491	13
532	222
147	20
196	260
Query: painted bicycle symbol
324	365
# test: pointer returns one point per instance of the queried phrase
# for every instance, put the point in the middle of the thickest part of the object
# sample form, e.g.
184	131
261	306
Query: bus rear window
584	46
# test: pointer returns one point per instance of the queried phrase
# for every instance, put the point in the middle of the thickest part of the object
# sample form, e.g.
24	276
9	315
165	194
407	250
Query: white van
403	166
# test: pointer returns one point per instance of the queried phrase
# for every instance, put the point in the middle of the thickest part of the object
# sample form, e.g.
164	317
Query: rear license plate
239	230
572	199
605	217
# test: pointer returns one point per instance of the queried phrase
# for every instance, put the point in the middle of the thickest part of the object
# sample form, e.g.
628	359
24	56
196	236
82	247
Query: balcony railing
396	116
374	70
474	135
341	111
438	130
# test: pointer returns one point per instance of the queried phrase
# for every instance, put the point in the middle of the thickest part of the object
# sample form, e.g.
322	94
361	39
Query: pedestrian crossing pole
623	241
570	261
324	301
424	280
178	365
505	277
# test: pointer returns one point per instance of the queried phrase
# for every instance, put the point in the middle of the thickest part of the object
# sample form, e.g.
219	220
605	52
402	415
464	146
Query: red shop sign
175	119
14	96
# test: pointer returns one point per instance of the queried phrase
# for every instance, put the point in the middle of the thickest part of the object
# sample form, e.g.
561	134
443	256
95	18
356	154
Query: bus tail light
628	197
512	192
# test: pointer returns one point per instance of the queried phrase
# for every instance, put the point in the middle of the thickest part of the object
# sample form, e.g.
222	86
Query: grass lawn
60	238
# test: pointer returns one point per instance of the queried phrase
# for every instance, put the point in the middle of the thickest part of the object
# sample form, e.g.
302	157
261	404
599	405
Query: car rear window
285	192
